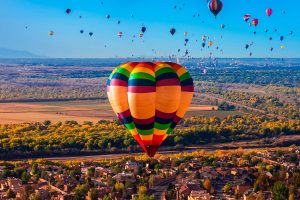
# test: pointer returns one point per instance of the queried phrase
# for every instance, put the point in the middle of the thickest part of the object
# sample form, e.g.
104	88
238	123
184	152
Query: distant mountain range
12	53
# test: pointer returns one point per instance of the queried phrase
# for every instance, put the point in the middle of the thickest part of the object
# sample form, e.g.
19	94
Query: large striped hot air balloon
150	99
215	6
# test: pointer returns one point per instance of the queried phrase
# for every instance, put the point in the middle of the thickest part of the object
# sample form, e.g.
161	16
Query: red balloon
269	11
255	22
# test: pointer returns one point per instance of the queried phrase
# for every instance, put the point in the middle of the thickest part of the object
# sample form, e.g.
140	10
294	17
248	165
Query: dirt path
241	105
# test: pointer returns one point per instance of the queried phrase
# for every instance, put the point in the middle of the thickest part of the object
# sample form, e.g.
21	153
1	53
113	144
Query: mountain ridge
13	53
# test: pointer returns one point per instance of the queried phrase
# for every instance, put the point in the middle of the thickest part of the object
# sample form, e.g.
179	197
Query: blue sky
158	16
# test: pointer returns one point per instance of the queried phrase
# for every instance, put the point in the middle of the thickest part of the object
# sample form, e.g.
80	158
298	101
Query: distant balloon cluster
255	23
215	7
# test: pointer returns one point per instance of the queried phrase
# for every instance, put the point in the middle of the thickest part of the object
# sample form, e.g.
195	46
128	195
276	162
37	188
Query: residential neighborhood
229	174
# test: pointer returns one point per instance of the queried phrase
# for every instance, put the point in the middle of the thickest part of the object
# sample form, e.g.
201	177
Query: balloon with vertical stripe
215	6
150	99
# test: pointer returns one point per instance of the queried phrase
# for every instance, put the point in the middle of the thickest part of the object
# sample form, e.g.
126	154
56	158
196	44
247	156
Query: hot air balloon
250	54
81	31
203	45
186	41
254	22
281	38
51	33
186	52
210	43
222	25
271	49
266	30
141	35
172	31
275	29
108	16
291	32
204	38
119	22
143	29
254	32
215	6
150	99
247	17
68	11
269	11
185	34
282	46
91	34
120	34
270	38
246	46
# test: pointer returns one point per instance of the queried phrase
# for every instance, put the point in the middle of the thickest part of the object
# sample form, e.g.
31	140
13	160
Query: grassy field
12	113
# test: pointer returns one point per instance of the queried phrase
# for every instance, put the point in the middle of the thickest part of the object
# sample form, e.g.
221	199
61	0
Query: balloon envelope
254	22
172	31
269	11
215	6
150	99
246	17
68	11
143	29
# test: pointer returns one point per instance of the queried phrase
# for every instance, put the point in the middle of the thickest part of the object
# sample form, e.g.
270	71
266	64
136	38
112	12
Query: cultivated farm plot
80	111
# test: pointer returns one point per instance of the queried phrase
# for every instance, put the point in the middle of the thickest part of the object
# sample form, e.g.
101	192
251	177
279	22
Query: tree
227	188
119	186
151	180
25	177
35	170
27	192
197	175
81	191
93	194
207	185
91	172
142	191
10	194
35	196
280	191
107	197
291	192
128	184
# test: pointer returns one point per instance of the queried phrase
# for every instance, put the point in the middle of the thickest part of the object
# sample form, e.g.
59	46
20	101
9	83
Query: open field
12	113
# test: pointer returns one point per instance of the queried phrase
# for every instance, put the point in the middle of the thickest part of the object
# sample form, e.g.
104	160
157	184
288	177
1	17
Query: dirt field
12	113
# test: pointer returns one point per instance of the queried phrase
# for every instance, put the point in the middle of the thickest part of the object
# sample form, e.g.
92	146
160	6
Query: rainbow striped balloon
150	99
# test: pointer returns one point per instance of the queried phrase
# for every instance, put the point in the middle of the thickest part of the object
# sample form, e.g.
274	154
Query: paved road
120	155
